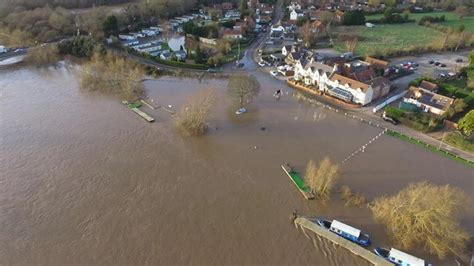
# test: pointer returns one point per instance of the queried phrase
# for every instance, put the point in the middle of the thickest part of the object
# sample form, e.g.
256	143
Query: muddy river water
83	180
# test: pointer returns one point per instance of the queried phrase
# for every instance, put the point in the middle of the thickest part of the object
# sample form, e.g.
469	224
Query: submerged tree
243	87
42	55
113	74
321	179
191	120
425	214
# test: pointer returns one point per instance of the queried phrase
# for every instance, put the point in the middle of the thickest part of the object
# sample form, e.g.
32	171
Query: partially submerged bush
191	120
350	198
321	179
114	75
42	55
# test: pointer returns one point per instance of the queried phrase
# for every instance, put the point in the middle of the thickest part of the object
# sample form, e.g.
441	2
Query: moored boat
350	233
323	223
398	257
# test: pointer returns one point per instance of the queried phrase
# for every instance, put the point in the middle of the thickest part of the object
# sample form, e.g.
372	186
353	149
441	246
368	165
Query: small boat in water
398	257
350	233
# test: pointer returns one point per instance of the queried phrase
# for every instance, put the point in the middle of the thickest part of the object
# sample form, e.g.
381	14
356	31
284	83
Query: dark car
459	60
431	62
437	63
442	65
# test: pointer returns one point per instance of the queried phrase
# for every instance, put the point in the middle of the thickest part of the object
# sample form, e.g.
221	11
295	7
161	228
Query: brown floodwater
83	180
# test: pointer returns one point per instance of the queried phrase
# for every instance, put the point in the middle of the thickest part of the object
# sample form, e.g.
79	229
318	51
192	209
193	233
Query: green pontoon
298	181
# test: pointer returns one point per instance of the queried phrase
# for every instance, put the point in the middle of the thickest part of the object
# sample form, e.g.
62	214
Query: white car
274	73
261	63
451	74
241	111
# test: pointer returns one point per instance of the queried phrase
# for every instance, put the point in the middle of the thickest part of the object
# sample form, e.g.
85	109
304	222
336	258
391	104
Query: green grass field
452	19
387	37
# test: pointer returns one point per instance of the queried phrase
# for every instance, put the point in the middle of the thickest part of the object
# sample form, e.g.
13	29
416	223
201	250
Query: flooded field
86	181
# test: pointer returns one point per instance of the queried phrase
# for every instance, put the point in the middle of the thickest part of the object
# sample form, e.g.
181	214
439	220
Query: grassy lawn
468	22
430	148
458	140
383	38
452	19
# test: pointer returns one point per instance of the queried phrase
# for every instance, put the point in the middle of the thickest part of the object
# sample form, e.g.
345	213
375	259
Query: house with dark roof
381	87
313	73
427	101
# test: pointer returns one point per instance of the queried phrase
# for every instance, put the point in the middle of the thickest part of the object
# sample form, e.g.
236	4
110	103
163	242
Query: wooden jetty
299	183
143	115
351	246
148	104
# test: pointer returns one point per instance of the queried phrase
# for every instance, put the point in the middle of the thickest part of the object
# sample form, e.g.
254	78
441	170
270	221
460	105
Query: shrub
350	198
191	119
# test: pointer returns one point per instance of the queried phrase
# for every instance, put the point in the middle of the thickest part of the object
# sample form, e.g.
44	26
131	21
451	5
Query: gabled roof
429	86
377	62
354	84
321	68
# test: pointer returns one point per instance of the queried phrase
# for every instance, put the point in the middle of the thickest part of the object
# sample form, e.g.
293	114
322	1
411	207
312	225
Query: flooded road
86	181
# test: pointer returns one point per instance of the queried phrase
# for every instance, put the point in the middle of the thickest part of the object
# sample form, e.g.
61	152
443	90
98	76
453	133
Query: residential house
358	70
293	58
428	86
379	65
180	55
294	6
313	73
166	55
232	34
127	37
349	89
428	101
296	14
287	49
380	86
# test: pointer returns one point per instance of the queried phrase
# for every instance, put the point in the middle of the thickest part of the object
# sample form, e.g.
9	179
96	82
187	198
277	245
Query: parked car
431	62
261	63
211	70
442	65
437	63
459	60
241	111
441	75
390	119
274	73
451	74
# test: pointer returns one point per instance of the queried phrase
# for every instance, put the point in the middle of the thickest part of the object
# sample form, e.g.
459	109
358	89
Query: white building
361	93
126	37
296	14
294	6
314	73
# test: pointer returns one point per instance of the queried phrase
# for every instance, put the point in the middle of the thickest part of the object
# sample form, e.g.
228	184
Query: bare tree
243	87
191	120
321	179
42	55
113	74
425	214
351	45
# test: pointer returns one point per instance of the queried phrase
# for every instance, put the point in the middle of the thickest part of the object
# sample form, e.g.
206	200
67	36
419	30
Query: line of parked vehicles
355	235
